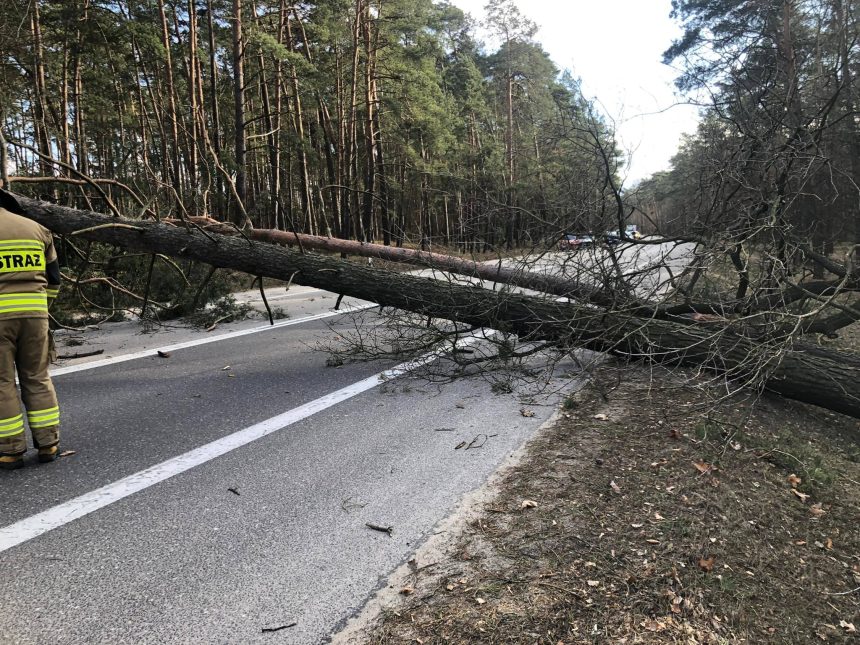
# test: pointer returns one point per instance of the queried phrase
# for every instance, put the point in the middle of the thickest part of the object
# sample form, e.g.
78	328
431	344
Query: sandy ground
130	336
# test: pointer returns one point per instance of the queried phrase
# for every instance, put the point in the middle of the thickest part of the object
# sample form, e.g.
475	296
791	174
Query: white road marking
70	369
57	516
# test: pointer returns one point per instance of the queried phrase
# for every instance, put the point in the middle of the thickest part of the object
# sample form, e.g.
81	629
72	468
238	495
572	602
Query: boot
47	455
11	462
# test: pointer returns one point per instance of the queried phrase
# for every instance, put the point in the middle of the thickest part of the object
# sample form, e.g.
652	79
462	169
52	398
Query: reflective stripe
44	418
5	297
32	245
12	426
21	302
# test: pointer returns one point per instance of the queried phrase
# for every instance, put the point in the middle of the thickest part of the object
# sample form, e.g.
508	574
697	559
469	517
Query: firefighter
29	281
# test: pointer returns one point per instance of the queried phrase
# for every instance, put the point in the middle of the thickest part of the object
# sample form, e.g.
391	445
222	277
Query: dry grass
667	521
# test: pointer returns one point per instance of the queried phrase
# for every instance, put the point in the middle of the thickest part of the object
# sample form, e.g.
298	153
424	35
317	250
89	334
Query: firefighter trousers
24	347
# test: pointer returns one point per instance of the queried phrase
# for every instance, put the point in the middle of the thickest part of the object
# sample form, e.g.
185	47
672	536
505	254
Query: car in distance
571	242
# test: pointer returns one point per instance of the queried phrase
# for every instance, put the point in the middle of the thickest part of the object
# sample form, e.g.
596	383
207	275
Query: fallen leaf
600	417
407	590
816	510
450	587
615	487
657	516
674	434
529	503
460	405
163	354
459	445
794	480
481	601
706	564
225	368
68	453
652	541
526	412
803	496
654	625
594	583
848	627
703	467
637	526
828	544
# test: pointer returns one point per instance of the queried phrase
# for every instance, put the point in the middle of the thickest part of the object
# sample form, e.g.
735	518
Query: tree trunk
4	154
213	102
239	110
850	108
175	178
298	125
803	372
193	105
43	140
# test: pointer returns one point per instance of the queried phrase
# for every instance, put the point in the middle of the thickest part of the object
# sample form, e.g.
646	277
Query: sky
616	48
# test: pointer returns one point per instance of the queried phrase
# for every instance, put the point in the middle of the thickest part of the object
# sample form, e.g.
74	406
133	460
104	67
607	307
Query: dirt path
653	512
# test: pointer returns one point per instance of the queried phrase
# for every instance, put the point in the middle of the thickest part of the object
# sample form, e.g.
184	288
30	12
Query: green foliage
113	285
775	156
398	102
224	309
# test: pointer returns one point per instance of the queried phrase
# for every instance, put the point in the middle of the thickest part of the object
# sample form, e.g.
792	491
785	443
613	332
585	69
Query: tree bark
43	139
803	372
175	177
4	154
239	110
213	100
194	106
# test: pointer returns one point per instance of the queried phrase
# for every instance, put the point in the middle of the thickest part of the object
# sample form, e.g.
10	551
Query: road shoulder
655	510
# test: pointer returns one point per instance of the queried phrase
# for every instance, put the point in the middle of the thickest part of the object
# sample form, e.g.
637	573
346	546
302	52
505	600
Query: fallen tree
794	369
591	291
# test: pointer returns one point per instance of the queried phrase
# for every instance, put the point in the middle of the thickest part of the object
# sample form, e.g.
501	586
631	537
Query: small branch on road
381	529
269	630
215	324
235	491
474	442
265	301
81	354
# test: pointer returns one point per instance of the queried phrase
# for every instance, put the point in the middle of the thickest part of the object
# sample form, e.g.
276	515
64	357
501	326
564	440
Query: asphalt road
186	559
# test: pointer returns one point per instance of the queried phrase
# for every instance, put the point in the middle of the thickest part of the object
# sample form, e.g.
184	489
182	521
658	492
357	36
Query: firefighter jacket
29	271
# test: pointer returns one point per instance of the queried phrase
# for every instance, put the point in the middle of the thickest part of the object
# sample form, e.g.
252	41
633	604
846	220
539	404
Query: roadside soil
659	509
